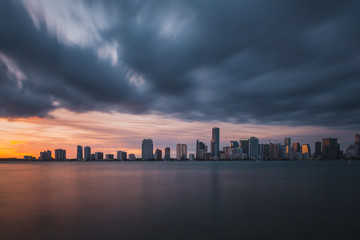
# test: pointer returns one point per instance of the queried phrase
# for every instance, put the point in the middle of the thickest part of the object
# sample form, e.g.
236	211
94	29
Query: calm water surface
240	200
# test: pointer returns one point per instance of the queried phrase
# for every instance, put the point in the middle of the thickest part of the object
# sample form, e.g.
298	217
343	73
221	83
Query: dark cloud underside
273	62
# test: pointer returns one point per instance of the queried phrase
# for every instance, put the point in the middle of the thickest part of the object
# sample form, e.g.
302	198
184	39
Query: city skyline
131	145
251	148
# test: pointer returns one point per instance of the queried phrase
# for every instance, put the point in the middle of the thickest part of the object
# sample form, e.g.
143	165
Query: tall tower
317	149
87	153
79	155
181	151
215	142
167	153
147	149
253	148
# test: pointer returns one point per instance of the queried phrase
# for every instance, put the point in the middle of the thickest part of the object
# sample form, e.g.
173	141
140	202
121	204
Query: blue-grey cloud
275	62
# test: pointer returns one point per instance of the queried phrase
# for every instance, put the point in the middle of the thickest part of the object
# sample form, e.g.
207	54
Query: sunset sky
108	74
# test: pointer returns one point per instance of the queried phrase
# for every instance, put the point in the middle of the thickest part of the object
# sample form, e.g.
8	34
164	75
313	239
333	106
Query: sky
110	73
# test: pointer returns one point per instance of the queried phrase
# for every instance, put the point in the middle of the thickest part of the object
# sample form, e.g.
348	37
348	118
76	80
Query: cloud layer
268	62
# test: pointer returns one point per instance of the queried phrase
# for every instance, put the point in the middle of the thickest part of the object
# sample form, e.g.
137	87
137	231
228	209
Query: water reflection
179	200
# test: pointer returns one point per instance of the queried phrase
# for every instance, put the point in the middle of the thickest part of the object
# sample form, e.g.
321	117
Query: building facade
87	153
253	148
215	142
79	152
147	149
181	151
60	154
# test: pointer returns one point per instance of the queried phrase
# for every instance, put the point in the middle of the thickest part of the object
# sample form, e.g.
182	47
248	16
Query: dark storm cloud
272	62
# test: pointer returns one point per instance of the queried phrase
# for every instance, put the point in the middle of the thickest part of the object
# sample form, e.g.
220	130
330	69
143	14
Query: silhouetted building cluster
244	149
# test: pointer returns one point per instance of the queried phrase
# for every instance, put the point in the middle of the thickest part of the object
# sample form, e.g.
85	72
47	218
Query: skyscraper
158	154
167	153
330	148
181	151
147	149
215	142
317	149
287	144
244	144
60	154
79	155
201	148
87	153
253	147
274	151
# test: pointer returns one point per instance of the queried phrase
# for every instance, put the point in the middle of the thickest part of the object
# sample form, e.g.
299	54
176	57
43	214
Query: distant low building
191	157
132	157
45	156
109	157
99	156
29	158
121	155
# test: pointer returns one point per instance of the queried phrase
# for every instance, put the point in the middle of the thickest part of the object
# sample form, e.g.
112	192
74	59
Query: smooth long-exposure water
180	200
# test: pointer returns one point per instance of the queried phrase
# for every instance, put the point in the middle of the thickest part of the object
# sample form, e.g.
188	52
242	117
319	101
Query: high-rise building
158	154
317	149
287	145
181	151
79	153
45	156
266	154
99	156
167	153
201	148
244	144
253	148
121	155
330	148
60	154
274	151
147	149
305	148
215	142
87	153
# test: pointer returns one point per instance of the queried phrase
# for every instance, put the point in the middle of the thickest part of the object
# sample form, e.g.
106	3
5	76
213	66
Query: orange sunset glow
110	132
